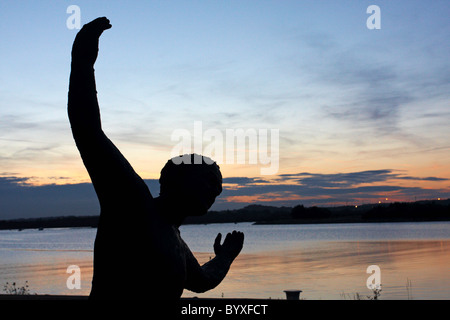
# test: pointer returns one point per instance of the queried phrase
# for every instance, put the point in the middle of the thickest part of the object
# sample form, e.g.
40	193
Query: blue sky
347	100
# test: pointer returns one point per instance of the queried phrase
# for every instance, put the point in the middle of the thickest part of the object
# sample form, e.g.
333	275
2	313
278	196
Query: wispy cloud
350	179
331	189
363	88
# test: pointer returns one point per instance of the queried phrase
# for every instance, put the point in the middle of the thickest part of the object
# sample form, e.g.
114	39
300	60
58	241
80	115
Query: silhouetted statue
138	251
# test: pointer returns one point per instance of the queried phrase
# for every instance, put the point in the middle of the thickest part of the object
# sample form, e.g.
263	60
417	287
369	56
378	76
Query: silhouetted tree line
51	222
301	212
251	213
415	211
409	211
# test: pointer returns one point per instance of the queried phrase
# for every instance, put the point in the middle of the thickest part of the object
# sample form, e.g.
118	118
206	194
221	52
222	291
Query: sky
355	115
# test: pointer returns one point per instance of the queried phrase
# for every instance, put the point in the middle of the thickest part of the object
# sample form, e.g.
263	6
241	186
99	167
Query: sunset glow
362	114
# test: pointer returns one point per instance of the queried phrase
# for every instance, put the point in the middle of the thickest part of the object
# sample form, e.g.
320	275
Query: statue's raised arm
110	172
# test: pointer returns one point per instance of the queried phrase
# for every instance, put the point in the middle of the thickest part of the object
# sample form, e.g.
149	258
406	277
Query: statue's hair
176	169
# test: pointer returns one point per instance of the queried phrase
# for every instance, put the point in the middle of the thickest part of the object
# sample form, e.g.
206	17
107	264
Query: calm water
324	261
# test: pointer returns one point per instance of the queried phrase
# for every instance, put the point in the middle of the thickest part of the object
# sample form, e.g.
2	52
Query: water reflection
337	270
325	261
45	271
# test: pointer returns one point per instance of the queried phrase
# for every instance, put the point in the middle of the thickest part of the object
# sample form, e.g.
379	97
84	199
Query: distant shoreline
419	211
331	221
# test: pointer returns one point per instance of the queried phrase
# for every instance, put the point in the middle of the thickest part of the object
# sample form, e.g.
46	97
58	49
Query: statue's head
191	183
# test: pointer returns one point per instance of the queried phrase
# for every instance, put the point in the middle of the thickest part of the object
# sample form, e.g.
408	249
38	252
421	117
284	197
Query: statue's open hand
231	246
85	46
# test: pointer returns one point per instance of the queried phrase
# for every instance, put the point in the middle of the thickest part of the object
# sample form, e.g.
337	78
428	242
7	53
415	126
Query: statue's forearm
83	106
209	275
216	269
84	113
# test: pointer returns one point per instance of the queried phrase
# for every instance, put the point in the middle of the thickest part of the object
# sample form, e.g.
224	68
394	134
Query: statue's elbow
203	285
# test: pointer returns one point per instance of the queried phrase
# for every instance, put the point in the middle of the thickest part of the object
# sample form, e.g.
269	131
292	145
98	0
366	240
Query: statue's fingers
217	242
